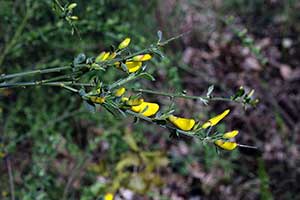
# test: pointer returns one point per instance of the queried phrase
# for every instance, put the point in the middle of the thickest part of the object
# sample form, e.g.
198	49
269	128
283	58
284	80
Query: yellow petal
215	120
120	91
146	108
206	125
124	43
226	145
102	56
133	66
99	100
182	123
143	57
132	102
230	134
108	196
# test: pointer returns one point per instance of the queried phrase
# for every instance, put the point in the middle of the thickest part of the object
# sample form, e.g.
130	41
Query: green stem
183	95
121	82
39	71
43	83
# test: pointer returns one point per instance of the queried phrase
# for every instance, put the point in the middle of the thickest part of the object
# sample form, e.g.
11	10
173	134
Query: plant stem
183	95
122	81
39	71
44	83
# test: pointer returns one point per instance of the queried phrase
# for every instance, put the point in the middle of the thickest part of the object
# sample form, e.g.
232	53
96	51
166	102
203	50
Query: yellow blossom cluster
133	64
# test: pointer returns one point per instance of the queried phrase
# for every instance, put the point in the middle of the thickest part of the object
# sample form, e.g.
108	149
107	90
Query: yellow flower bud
120	91
102	56
108	196
215	120
112	56
124	43
132	102
230	134
182	123
143	57
226	145
99	100
146	108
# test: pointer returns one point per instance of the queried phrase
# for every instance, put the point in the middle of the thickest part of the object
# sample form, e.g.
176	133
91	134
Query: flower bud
72	6
143	57
124	43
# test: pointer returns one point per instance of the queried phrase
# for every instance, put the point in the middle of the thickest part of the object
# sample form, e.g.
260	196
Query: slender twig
39	71
183	95
11	178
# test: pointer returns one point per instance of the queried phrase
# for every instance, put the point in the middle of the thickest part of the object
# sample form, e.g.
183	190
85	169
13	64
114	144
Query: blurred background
56	149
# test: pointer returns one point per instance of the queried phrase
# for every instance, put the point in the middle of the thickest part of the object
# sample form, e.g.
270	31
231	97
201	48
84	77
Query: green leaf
147	76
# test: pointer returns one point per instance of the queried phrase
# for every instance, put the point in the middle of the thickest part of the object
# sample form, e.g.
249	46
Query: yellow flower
215	120
102	56
146	108
143	57
120	91
132	102
124	43
230	134
226	145
108	196
132	66
182	123
99	100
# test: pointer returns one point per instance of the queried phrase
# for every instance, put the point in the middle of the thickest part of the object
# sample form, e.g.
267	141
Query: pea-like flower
215	120
98	100
146	108
132	66
108	196
132	102
119	92
227	145
230	134
184	124
143	57
124	43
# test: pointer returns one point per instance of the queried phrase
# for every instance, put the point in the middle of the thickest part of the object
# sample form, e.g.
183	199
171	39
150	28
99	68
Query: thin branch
201	98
